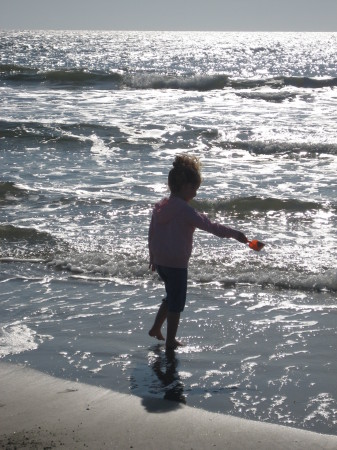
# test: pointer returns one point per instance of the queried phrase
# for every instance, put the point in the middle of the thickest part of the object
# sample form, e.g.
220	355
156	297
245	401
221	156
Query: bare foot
156	334
173	345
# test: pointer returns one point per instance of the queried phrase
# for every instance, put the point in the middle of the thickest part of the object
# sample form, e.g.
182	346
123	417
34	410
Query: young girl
171	231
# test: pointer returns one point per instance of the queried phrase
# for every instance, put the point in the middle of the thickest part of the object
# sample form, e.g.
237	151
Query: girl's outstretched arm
202	222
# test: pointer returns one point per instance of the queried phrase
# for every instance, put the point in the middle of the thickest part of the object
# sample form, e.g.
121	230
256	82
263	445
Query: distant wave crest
275	147
194	83
124	78
73	76
246	205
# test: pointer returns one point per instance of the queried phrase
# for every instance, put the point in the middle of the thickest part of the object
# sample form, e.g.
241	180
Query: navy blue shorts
176	287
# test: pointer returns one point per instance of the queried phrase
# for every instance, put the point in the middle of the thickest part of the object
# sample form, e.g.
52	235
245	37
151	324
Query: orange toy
256	245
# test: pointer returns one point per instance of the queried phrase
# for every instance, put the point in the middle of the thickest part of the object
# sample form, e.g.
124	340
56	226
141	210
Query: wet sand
38	411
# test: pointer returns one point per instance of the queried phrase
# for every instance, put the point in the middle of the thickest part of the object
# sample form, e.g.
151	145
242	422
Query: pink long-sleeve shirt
171	231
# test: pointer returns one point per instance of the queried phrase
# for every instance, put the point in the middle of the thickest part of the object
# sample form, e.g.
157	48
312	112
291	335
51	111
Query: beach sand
38	411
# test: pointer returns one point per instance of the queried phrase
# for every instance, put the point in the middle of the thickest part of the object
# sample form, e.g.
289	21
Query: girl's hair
186	169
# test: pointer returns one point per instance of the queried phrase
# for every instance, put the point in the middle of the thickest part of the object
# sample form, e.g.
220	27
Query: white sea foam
17	338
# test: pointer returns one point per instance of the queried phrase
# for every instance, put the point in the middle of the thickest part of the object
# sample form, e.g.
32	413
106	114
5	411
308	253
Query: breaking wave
57	132
27	243
246	205
9	192
21	74
11	232
77	77
325	281
276	148
87	133
195	83
132	268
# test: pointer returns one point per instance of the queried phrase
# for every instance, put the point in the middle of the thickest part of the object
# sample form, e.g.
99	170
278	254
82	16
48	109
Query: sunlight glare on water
90	124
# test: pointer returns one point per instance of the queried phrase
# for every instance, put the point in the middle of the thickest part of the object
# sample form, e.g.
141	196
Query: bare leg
172	327
158	323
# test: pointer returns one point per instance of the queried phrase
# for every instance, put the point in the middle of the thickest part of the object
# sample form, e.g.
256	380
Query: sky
181	15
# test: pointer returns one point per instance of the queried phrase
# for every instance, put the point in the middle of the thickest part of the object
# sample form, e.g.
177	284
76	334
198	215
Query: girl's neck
178	195
187	192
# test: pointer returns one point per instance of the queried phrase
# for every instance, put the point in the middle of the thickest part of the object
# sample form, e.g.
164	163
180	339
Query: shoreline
40	411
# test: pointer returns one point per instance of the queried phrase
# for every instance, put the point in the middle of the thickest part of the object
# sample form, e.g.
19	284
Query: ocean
90	123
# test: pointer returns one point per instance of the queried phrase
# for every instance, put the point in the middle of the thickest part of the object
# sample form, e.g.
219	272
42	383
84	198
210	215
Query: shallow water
89	126
248	351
